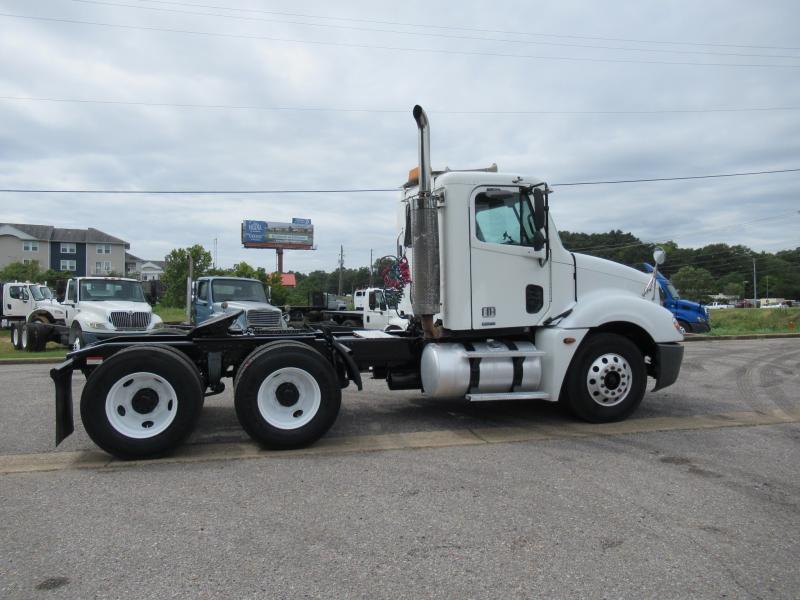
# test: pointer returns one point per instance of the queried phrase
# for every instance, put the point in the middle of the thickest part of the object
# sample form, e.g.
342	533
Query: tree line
699	273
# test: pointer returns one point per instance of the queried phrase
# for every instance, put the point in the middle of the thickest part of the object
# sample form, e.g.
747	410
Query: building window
68	249
102	266
30	246
69	265
26	261
104	248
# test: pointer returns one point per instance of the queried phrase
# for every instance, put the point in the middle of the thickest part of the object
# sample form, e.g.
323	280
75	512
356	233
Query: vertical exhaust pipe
425	297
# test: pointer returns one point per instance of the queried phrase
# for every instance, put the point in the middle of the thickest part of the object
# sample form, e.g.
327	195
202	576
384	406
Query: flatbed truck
501	311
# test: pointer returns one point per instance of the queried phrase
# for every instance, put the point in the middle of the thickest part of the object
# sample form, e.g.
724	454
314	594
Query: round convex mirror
659	256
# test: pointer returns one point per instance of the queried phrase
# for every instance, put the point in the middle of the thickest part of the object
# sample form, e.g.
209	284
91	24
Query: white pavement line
63	461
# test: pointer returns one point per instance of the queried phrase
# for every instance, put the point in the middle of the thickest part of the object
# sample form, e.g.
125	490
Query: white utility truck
519	318
91	309
18	300
372	311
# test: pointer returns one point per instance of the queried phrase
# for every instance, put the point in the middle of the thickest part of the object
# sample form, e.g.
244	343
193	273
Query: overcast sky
470	64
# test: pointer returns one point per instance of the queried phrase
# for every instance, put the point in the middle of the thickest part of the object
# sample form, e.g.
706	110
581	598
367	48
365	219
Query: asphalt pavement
697	495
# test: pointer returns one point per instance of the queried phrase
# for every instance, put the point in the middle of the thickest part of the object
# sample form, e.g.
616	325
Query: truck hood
618	275
109	306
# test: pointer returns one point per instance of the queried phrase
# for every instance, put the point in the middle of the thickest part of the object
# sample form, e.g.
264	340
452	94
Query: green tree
694	283
18	271
176	271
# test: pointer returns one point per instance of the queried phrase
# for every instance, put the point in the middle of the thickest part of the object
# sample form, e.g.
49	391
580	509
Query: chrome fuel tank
492	366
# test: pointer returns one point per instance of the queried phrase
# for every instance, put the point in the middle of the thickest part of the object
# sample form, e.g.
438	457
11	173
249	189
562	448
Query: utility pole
370	267
215	253
767	288
341	268
755	289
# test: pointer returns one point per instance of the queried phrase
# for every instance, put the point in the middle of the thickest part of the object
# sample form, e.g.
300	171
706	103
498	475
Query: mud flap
62	378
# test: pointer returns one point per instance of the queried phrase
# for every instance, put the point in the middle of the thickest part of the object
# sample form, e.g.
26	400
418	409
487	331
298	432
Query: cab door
203	306
17	301
510	277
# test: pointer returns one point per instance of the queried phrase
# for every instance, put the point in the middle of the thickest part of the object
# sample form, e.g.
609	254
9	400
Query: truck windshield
36	293
99	290
672	290
228	290
46	293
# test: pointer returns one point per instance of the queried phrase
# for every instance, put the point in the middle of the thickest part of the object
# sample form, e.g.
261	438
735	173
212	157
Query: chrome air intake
425	297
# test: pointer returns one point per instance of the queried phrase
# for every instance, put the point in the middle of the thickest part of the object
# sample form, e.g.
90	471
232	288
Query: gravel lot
710	513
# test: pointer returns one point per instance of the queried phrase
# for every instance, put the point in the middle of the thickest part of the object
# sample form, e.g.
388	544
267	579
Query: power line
393	48
473	29
356	190
437	35
393	110
674	178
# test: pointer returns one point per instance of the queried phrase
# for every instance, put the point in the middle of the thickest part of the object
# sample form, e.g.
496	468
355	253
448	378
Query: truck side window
14	293
507	220
202	290
71	292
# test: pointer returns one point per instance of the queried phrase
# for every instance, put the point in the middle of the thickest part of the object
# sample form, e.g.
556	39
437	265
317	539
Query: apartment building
78	251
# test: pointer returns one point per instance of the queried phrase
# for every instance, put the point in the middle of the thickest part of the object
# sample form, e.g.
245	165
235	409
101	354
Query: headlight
97	325
700	319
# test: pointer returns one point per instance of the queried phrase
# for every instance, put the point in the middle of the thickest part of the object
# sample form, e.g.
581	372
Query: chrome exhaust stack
425	296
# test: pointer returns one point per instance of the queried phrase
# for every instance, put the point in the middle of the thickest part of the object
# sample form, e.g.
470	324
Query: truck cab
693	317
213	296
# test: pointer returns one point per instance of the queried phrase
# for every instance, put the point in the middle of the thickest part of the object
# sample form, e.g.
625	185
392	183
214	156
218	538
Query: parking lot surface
697	495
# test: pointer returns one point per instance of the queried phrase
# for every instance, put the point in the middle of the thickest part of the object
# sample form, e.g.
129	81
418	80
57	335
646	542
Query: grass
7	350
742	321
169	314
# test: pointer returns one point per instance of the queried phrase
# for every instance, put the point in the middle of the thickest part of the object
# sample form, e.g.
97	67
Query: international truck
519	318
693	317
215	295
88	309
19	299
374	312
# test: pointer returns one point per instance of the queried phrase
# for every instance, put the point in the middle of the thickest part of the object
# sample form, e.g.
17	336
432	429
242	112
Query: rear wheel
287	395
686	327
16	335
141	403
25	338
351	323
607	379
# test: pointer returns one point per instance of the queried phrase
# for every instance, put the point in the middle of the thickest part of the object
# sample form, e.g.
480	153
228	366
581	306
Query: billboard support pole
279	252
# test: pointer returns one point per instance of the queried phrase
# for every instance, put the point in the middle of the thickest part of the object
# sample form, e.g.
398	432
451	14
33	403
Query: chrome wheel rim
141	405
289	398
609	379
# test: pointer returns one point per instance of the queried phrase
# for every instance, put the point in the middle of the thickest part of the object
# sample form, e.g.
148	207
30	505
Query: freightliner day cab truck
520	318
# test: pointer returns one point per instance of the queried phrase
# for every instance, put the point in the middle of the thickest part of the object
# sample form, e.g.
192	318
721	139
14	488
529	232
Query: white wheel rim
76	345
609	379
24	340
141	405
14	336
289	398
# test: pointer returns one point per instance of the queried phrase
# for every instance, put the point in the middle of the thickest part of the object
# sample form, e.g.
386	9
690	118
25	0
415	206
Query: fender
604	306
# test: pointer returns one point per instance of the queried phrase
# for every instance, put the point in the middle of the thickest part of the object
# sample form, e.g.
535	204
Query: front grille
130	320
263	318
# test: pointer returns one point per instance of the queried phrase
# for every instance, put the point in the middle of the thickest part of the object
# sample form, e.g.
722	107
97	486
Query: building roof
288	280
59	234
132	258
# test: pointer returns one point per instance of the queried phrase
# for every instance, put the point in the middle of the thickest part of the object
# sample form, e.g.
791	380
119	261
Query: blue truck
693	317
213	296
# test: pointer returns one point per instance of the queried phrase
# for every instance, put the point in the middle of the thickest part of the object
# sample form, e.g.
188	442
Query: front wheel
141	403
686	327
76	339
607	379
286	395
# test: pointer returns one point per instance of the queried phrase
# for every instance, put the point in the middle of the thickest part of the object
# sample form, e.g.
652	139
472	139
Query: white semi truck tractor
501	311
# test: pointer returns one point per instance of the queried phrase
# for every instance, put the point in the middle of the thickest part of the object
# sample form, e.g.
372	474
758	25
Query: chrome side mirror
659	256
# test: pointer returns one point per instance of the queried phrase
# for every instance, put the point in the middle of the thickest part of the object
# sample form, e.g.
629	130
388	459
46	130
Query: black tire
16	335
686	327
619	386
106	383
301	400
41	335
351	323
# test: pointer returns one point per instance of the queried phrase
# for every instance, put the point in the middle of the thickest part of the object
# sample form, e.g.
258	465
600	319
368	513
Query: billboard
298	235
